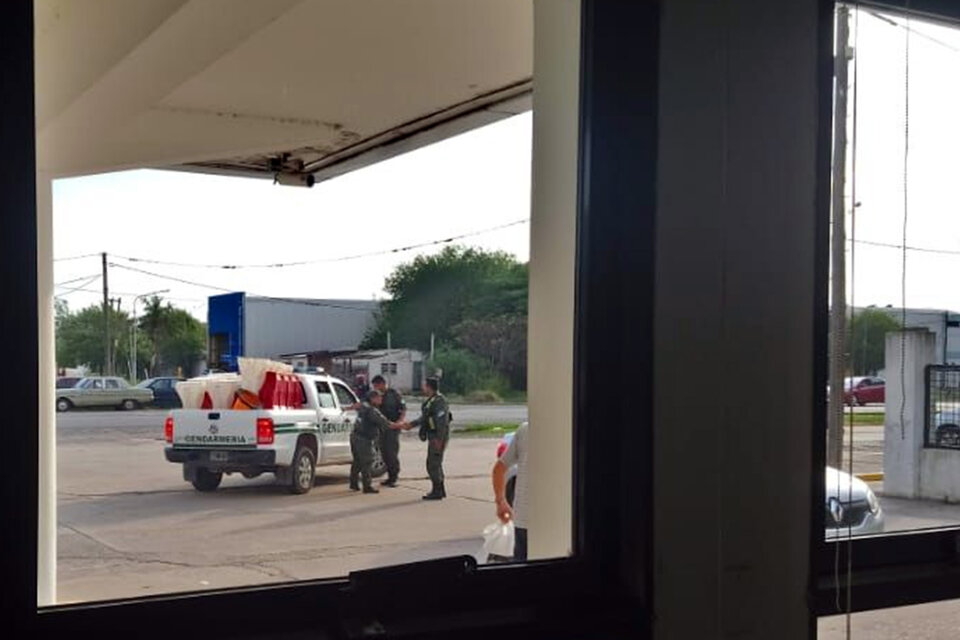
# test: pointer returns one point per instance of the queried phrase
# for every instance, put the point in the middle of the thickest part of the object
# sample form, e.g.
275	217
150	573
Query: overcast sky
481	179
933	220
469	183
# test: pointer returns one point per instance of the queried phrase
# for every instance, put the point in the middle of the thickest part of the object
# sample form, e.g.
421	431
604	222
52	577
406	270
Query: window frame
898	568
544	595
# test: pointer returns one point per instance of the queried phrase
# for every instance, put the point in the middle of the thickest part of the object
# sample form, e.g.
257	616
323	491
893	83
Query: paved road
130	526
144	421
934	621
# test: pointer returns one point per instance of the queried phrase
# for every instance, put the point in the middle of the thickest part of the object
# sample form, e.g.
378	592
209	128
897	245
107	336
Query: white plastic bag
498	539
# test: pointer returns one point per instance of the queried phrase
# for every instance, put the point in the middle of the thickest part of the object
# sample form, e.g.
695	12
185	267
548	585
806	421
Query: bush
463	372
483	396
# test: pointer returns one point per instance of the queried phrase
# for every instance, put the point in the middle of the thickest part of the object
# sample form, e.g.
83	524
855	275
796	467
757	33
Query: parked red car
865	390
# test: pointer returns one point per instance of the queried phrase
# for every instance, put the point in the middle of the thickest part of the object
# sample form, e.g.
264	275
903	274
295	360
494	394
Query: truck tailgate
215	428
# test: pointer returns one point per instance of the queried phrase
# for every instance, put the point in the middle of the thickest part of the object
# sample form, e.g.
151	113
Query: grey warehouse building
253	326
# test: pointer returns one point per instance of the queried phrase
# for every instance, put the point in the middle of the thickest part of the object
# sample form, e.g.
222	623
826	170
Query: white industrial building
403	368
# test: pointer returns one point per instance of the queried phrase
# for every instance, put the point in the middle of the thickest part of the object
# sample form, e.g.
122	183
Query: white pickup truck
288	442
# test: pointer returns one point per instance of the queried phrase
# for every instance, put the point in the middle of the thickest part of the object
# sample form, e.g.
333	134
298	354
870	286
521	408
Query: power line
914	31
86	277
278	265
86	255
70	290
132	293
891	245
311	303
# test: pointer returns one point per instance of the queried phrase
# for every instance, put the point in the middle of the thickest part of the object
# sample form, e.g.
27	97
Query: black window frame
897	568
548	596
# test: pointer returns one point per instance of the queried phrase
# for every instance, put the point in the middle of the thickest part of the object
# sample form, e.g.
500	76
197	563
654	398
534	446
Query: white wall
903	442
940	474
553	223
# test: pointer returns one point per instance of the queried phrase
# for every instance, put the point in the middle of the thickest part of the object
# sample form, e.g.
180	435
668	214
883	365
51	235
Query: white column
553	219
47	508
903	441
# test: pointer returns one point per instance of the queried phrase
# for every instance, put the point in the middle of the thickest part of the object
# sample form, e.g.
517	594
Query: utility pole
838	298
108	352
431	346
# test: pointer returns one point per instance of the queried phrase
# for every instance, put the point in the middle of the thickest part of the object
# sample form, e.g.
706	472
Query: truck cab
289	441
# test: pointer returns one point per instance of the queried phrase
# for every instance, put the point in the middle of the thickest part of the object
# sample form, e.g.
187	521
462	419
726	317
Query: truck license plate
219	456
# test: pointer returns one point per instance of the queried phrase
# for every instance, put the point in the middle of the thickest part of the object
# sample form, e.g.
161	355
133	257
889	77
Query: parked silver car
103	391
849	501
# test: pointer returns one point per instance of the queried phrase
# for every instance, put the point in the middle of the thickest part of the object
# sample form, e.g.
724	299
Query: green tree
464	372
501	341
80	338
434	294
178	340
867	340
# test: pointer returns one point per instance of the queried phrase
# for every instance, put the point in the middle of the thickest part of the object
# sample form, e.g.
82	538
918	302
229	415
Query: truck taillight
168	430
264	431
501	448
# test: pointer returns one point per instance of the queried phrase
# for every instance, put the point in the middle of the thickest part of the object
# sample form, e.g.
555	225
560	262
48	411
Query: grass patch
492	429
871	419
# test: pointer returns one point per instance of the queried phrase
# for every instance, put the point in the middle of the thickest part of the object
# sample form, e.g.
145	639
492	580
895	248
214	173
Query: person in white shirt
516	454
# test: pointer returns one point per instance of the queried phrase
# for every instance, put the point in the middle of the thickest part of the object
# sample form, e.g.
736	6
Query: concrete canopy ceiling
258	87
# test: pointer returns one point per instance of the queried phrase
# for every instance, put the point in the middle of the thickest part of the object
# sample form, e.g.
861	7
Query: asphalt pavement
128	525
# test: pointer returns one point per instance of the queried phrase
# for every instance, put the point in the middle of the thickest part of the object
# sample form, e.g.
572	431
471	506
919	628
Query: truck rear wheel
378	467
206	480
302	470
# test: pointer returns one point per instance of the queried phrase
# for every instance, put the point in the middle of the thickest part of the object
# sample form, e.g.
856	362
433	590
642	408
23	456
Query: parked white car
288	442
849	501
850	504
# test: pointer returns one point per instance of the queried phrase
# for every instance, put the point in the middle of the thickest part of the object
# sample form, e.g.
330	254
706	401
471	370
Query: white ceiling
237	85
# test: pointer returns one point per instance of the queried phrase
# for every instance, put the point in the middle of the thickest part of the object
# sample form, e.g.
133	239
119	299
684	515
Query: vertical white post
553	223
47	507
909	351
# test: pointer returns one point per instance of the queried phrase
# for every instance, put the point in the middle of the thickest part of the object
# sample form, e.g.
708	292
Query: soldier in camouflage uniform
370	423
434	424
395	410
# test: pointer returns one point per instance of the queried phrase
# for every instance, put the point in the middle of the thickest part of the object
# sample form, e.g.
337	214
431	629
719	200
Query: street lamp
133	333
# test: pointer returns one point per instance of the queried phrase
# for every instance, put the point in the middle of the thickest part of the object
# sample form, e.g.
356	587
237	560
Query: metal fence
942	412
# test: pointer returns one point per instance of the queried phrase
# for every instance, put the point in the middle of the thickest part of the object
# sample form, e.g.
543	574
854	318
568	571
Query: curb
871	477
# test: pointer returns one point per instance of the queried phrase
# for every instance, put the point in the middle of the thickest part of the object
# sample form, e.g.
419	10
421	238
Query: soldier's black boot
370	489
435	494
443	490
389	482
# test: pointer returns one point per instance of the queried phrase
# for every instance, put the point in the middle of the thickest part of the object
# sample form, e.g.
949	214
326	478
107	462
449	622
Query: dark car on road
164	391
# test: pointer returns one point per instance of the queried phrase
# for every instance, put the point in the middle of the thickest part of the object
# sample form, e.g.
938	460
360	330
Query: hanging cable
853	305
906	204
69	290
86	255
309	303
891	245
86	277
300	263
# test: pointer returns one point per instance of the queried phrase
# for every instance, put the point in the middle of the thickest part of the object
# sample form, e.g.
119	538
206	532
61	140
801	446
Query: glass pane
292	213
325	396
893	436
